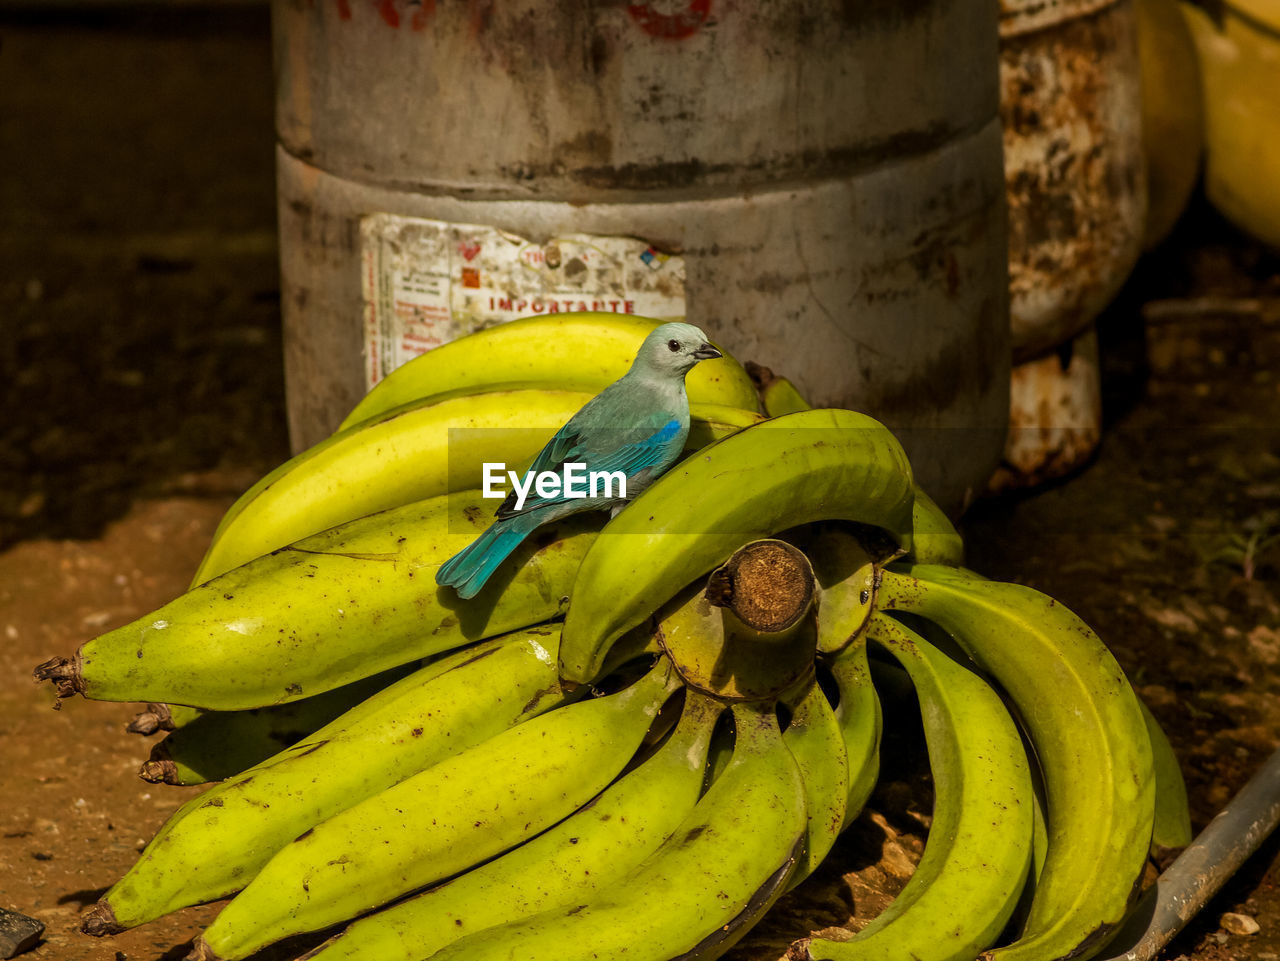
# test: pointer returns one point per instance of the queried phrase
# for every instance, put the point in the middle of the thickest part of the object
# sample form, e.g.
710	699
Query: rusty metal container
1071	103
829	174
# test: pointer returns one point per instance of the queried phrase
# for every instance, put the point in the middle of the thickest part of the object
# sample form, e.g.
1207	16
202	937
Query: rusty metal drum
828	174
1071	102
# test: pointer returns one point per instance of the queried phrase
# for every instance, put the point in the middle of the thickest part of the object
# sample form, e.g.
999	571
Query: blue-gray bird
637	425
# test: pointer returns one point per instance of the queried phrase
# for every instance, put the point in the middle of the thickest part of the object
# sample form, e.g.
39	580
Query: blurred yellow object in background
1239	47
1172	114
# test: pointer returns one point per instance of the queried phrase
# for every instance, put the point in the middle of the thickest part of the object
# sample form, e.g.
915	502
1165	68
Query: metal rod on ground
1203	867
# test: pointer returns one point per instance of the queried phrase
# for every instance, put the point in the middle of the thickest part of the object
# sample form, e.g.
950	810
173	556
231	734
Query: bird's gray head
674	349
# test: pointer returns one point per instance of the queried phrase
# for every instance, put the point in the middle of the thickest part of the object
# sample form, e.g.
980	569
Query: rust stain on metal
1055	416
1074	166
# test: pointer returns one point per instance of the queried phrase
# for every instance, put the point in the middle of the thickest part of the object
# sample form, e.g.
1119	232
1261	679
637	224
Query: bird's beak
706	352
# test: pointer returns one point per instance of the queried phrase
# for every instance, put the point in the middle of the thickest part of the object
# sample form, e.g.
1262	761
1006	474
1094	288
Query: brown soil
140	357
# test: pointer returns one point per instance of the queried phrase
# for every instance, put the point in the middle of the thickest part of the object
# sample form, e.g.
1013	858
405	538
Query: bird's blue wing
565	445
655	449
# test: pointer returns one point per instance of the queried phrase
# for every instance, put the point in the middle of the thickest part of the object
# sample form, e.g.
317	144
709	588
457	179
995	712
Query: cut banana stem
716	653
456	814
216	842
331	609
768	585
701	891
160	717
976	856
217	745
1087	729
778	474
565	864
585	350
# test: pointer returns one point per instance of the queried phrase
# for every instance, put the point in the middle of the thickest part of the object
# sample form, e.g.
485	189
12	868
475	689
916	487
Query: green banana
1086	726
215	745
780	397
326	611
408	454
978	851
459	812
216	842
816	741
701	890
861	721
812	465
847	580
720	752
846	576
934	539
587	851
1172	828
585	350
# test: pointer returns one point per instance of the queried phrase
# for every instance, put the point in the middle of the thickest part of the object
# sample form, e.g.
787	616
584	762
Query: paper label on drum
427	282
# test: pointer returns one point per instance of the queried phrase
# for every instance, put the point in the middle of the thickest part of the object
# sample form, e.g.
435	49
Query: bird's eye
674	345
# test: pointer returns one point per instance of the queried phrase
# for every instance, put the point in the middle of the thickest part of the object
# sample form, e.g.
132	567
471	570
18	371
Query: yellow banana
780	396
585	350
861	721
561	866
846	576
1089	735
812	465
328	610
216	842
216	745
701	890
1172	828
412	453
978	850
406	455
847	579
463	810
934	539
816	741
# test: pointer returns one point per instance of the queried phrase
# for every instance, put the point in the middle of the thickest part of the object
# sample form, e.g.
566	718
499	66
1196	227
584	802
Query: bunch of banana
421	434
640	734
218	840
422	431
967	884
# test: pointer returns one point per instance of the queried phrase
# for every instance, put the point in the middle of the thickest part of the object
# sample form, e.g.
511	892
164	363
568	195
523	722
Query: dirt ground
140	361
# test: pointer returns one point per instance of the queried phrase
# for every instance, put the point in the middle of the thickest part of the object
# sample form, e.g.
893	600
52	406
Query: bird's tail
467	571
